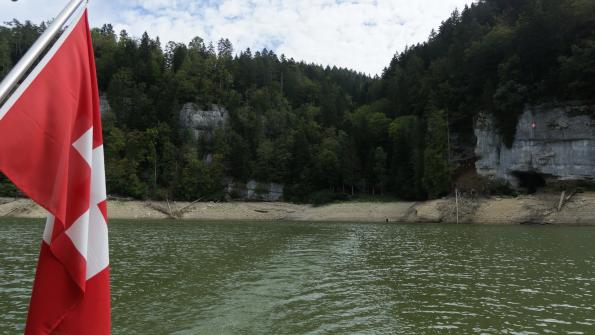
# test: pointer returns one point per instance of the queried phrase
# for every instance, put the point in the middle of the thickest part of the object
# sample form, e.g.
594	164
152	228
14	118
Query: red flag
52	149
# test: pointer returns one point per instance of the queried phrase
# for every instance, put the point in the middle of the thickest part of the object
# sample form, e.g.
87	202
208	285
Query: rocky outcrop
202	123
552	141
104	106
255	191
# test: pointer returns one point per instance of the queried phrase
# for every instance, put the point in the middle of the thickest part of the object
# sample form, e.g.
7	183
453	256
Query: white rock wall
560	146
203	122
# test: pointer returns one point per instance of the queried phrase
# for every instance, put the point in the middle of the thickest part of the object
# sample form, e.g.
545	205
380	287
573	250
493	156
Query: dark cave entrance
529	180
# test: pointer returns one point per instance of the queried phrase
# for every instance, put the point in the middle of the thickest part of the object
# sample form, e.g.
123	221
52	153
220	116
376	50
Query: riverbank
526	209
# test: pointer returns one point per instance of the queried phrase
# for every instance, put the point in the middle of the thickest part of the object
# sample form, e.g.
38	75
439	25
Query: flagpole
25	63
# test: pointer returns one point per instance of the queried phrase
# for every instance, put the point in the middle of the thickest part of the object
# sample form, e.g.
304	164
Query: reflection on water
324	278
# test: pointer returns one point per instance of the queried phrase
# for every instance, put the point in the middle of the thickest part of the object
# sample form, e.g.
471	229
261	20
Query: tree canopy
317	128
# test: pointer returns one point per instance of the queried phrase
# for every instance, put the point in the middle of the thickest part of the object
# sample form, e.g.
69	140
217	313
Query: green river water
173	277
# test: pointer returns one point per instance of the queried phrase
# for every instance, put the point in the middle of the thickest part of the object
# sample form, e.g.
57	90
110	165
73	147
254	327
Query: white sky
358	34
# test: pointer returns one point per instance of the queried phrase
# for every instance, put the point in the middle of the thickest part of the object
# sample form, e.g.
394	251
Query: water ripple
301	278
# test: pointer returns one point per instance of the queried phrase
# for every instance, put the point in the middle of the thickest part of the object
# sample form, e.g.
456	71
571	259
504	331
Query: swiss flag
52	149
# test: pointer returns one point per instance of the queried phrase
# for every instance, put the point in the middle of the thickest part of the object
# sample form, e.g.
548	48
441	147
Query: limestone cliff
104	106
202	123
254	191
552	141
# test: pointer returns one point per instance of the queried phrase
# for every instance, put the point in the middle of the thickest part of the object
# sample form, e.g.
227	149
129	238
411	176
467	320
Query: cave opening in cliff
529	180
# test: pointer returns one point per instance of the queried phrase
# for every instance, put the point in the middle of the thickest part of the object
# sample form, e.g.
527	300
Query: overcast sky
359	34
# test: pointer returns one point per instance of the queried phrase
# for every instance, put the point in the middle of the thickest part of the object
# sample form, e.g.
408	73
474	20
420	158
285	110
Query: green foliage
379	176
406	168
198	180
499	187
324	197
509	103
578	70
326	161
325	128
7	189
437	174
497	56
5	62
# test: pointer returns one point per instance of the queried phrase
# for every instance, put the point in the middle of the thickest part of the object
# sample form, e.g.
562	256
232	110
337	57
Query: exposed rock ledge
202	123
556	142
532	209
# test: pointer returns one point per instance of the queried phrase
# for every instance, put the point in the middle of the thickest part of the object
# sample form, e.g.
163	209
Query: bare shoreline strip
533	209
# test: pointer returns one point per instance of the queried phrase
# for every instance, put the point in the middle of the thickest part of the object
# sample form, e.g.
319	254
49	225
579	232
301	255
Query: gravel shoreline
527	209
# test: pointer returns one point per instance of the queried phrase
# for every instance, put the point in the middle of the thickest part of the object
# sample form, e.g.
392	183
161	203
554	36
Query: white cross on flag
52	149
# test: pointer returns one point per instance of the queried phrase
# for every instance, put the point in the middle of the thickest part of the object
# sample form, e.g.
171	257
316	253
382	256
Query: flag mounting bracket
25	63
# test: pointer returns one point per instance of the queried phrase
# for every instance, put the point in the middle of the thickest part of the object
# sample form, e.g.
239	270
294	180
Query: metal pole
24	64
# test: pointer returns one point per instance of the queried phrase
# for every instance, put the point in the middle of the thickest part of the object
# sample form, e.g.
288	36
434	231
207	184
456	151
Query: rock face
202	123
553	141
104	106
255	191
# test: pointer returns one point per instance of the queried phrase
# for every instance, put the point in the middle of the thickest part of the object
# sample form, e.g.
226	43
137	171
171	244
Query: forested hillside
321	130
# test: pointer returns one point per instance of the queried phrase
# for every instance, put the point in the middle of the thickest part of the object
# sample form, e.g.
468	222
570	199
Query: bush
298	193
7	189
322	197
500	187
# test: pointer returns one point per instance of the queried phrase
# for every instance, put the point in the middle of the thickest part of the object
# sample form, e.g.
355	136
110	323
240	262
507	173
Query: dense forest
326	132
